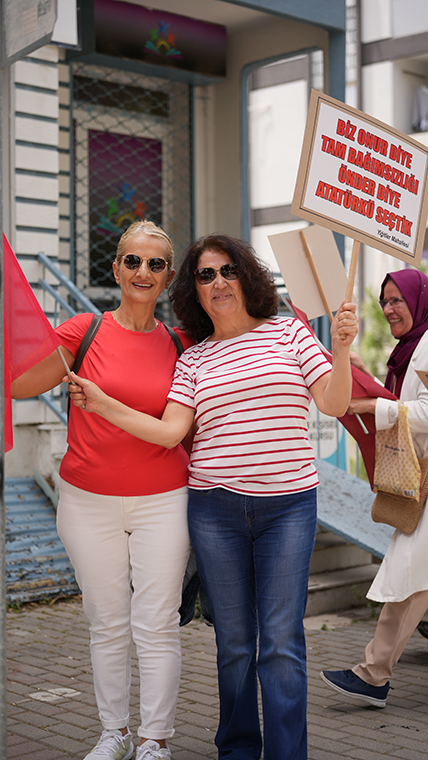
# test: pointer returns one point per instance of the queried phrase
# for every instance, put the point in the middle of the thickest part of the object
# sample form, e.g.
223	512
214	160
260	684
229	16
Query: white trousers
129	555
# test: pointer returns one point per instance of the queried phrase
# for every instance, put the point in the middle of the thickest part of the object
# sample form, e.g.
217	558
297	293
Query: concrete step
339	589
344	507
335	553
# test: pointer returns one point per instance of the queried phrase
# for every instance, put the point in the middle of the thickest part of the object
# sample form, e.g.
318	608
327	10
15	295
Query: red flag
29	336
362	386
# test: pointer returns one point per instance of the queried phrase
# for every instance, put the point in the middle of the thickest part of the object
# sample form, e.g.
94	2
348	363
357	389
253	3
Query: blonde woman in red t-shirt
122	507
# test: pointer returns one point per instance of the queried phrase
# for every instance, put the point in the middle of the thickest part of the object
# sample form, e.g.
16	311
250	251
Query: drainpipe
361	260
2	505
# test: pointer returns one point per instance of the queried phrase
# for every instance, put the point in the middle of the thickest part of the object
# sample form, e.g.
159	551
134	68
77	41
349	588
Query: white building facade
96	136
386	77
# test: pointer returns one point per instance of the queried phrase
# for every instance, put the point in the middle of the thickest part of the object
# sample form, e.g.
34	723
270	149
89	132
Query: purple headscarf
413	286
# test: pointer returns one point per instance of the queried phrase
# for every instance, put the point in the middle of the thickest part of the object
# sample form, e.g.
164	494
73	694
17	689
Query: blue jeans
253	557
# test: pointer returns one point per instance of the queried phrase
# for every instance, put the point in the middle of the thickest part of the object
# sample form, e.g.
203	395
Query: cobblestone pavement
53	716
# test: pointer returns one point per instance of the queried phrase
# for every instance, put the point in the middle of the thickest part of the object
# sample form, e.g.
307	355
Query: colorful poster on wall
125	186
362	178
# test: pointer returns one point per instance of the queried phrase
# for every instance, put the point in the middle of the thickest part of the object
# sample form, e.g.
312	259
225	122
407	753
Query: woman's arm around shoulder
168	432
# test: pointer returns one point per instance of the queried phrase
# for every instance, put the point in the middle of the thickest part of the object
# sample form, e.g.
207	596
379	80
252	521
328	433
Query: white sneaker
151	750
112	745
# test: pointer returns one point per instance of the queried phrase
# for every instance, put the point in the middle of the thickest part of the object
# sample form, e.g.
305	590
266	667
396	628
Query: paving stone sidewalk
53	716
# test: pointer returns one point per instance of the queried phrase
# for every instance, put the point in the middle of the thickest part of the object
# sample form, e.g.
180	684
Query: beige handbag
400	478
397	469
400	511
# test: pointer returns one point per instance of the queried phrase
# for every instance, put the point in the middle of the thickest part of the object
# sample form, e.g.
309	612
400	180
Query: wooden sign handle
352	271
315	274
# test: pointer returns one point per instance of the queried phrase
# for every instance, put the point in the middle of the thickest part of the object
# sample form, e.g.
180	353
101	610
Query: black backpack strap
175	338
86	341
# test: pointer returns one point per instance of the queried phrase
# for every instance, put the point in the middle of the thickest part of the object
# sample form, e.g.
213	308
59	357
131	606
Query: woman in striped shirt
252	481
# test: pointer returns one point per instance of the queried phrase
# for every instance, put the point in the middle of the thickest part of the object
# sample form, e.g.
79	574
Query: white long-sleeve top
404	569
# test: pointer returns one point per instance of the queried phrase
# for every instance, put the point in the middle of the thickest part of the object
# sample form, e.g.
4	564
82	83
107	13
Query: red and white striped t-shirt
251	399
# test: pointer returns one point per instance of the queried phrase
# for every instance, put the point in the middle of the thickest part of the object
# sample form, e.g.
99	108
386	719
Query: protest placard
363	178
313	272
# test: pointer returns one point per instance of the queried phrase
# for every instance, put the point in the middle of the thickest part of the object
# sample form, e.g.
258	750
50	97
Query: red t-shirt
135	368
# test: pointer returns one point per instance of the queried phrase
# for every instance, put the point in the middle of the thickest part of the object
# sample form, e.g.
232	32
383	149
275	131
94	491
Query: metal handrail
49	398
54	293
70	286
54	406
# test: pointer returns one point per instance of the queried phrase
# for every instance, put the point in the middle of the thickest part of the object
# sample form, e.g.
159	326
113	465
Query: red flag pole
362	424
67	368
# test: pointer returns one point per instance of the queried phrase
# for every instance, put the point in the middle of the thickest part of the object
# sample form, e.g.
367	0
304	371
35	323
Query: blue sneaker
346	682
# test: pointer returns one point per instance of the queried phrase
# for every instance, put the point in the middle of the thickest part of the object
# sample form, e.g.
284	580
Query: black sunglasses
205	275
155	264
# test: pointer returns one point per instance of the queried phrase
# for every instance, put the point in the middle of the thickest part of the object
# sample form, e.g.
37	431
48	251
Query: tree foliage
377	342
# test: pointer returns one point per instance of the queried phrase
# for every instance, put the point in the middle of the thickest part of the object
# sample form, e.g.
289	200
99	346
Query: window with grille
132	160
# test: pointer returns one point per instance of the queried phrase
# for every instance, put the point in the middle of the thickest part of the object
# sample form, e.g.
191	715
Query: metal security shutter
132	160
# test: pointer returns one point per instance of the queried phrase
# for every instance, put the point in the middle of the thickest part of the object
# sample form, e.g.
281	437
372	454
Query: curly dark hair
256	280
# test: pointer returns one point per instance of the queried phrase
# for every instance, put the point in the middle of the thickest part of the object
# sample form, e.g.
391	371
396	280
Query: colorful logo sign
162	42
132	31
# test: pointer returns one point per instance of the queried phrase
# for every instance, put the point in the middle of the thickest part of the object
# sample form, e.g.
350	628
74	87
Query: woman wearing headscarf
402	580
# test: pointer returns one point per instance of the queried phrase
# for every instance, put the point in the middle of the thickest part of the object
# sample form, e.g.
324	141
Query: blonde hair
147	228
